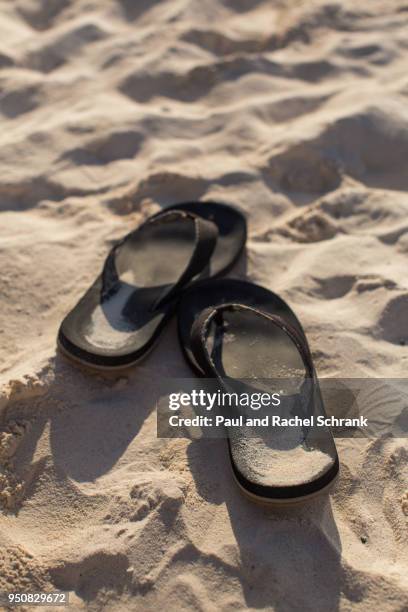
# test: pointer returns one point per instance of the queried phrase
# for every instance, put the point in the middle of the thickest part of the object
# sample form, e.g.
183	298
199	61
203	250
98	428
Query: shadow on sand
290	556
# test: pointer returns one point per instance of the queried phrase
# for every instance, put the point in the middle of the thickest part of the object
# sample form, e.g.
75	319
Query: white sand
296	112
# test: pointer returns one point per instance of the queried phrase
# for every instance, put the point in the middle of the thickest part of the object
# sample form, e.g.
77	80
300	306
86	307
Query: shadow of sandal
289	558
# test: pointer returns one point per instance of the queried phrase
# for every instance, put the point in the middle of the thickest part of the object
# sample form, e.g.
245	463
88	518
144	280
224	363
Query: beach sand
297	113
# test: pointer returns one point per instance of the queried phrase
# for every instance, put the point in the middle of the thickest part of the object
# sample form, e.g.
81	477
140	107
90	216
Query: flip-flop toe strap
206	234
203	321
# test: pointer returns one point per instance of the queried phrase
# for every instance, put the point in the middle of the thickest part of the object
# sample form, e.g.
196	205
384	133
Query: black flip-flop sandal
120	317
246	349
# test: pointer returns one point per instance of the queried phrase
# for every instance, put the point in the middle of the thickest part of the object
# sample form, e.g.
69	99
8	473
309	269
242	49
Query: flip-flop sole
104	368
276	497
286	502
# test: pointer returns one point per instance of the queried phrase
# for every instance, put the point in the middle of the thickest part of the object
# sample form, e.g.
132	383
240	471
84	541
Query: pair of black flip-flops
230	330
